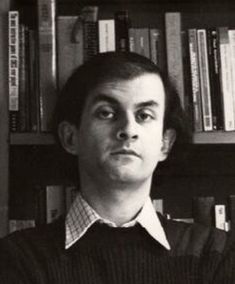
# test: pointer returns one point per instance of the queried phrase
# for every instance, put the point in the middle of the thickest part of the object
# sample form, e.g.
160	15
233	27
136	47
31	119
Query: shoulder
39	240
196	239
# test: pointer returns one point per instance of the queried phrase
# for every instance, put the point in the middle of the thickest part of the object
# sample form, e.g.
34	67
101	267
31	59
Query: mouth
125	152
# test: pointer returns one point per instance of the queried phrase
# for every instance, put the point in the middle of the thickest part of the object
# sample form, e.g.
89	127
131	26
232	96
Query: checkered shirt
82	216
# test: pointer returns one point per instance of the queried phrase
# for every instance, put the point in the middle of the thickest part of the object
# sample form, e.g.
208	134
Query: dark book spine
122	24
216	98
203	210
231	211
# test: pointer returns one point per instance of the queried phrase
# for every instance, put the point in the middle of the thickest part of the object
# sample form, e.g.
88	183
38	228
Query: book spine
204	80
195	80
203	210
220	216
174	52
231	35
142	41
158	205
17	225
156	47
22	79
231	207
55	202
215	80
122	24
132	40
13	69
69	46
106	32
47	62
70	195
226	79
90	31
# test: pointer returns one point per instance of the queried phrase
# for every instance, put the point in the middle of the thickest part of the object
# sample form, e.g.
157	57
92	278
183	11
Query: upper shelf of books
197	49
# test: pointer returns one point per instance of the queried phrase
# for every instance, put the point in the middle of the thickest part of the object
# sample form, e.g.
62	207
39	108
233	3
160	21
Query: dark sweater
118	256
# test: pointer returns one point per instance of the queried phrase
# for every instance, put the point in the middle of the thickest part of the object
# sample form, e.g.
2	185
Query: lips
126	152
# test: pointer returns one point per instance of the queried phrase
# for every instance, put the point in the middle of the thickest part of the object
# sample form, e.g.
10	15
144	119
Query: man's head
120	115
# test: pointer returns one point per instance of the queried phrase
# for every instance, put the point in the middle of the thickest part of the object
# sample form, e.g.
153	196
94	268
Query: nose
128	129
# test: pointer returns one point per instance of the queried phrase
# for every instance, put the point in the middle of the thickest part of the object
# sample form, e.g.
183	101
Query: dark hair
115	66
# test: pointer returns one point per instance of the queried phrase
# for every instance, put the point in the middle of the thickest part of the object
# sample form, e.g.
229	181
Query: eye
144	115
105	113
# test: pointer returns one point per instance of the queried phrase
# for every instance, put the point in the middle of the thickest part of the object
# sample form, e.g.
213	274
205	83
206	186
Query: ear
68	134
168	140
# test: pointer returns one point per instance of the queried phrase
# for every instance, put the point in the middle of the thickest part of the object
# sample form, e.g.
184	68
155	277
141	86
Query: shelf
31	139
219	137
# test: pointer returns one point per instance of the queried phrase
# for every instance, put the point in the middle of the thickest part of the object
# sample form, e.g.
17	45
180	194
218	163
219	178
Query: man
120	117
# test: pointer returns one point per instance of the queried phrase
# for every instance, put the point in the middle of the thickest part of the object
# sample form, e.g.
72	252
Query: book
13	69
122	25
226	78
55	203
139	41
220	216
17	225
156	47
158	205
174	52
216	96
231	35
69	46
90	31
203	210
231	211
195	80
47	62
106	35
70	195
204	80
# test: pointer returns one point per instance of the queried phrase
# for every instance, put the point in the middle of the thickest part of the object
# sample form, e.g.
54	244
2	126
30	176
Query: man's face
121	130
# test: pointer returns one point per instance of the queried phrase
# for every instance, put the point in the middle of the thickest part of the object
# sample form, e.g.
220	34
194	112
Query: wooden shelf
219	137
31	139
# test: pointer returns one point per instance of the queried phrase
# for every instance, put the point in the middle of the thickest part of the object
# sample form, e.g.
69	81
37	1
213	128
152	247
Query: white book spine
174	52
204	80
231	35
106	35
13	60
226	79
55	202
220	216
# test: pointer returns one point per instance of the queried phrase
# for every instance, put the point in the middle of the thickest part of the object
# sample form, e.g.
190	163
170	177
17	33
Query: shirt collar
82	216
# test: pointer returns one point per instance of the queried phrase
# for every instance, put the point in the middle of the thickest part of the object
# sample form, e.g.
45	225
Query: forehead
142	88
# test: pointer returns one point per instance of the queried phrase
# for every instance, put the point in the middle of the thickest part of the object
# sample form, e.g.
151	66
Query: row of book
50	202
200	62
53	201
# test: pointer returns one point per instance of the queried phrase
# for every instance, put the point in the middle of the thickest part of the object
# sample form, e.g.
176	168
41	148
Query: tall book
195	80
174	52
122	24
203	210
90	31
231	35
47	61
69	46
216	96
157	47
231	211
13	69
106	35
204	80
226	79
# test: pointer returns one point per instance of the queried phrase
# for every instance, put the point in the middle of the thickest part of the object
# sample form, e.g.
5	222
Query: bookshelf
194	14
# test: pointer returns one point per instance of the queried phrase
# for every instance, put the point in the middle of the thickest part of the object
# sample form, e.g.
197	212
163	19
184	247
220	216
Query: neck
117	203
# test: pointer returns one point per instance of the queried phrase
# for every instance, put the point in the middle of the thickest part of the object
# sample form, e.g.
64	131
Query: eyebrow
111	100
